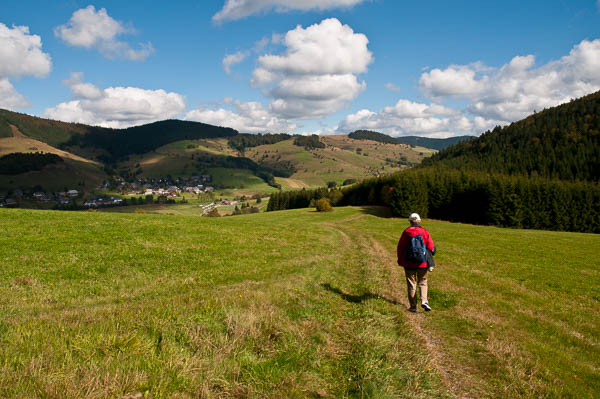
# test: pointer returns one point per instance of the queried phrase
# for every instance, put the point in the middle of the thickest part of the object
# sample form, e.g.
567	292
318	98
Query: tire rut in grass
393	288
381	283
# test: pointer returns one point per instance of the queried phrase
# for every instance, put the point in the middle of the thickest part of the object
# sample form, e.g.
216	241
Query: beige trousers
414	278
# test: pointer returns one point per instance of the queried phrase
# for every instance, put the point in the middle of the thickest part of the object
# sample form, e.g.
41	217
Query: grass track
289	304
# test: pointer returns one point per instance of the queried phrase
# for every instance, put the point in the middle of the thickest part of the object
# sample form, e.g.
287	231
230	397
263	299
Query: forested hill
435	144
48	131
562	142
145	138
117	142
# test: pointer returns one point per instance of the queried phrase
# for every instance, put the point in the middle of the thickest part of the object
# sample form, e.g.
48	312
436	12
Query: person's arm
429	243
400	248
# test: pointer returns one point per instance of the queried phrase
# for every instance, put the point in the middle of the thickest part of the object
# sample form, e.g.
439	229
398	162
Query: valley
91	161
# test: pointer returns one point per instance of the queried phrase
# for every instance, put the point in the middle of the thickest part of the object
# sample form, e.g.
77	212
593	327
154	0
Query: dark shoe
414	310
426	306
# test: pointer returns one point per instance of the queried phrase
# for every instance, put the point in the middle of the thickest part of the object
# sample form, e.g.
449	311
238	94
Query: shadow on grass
379	211
357	298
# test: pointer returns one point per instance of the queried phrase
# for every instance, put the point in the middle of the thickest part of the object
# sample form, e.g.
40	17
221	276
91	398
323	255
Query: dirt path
395	290
16	132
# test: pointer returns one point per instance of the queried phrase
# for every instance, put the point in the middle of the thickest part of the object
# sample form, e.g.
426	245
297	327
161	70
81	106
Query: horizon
399	69
224	127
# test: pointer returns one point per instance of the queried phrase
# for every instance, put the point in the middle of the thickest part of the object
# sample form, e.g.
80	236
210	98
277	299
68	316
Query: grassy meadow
290	304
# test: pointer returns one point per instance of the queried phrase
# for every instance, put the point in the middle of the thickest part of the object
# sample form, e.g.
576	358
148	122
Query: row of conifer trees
469	197
302	198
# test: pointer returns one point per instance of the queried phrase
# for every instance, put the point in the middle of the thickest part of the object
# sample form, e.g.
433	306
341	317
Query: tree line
470	197
487	199
309	142
246	140
302	198
18	162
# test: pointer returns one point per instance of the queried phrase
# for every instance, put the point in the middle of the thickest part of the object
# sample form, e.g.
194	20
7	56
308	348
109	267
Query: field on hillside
75	169
343	158
290	304
177	158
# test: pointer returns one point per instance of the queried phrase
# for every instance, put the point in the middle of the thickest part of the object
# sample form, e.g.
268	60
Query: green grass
290	304
236	178
518	310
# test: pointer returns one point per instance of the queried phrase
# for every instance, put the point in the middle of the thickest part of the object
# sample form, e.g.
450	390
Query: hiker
413	248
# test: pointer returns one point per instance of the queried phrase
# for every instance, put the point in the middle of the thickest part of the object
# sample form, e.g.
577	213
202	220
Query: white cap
414	218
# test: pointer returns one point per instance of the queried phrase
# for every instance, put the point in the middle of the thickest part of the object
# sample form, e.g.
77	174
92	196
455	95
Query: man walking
412	254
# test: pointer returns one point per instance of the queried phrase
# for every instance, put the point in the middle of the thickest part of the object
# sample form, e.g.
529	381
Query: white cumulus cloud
407	118
452	81
89	28
238	9
302	88
232	59
249	117
10	98
516	89
20	55
116	107
81	89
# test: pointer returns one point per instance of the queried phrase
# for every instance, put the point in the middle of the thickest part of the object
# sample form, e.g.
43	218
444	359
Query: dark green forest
559	143
302	198
435	144
374	136
481	198
309	142
120	143
246	140
18	162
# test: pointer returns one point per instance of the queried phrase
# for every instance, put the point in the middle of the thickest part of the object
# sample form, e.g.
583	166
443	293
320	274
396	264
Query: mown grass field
290	304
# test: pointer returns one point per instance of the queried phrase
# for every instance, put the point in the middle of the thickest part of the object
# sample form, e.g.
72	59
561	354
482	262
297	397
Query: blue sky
433	68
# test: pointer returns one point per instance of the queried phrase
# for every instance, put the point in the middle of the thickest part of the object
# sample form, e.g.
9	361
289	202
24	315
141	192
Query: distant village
165	188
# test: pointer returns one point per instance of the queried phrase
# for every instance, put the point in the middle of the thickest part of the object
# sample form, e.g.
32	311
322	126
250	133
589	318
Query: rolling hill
111	144
182	149
292	166
431	143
